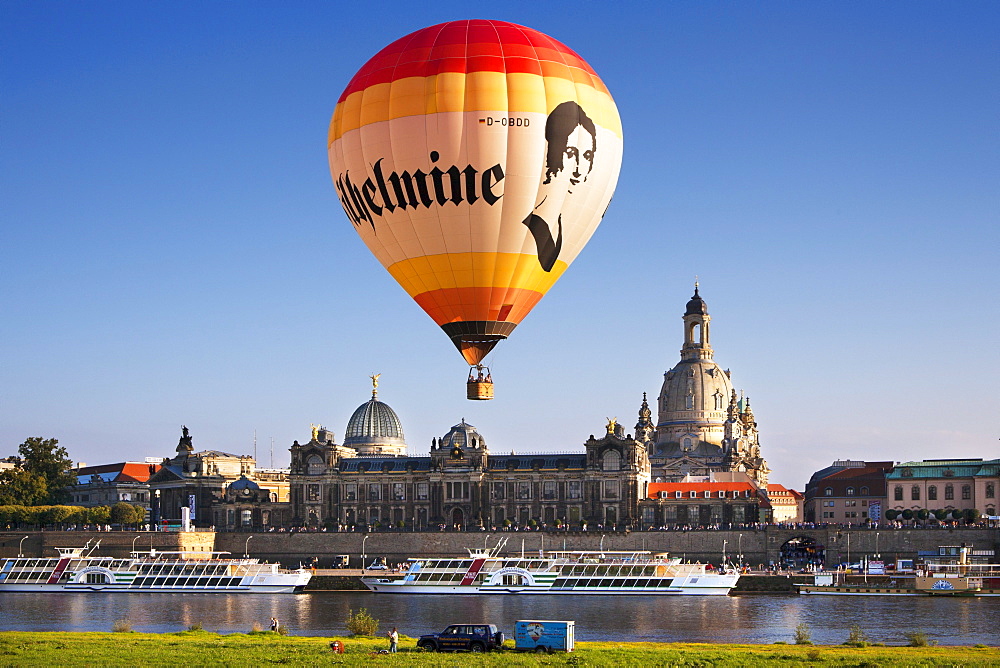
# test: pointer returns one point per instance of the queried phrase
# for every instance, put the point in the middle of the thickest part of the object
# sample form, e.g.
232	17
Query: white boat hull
379	586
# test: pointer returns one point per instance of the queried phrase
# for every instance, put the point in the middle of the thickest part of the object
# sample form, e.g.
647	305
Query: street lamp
246	548
363	555
741	551
19	544
602	545
724	553
137	537
878	555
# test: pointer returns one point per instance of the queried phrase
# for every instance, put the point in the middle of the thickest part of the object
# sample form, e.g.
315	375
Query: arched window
949	492
850	491
897	493
990	491
864	491
612	461
689	401
915	493
314	465
828	491
932	493
966	492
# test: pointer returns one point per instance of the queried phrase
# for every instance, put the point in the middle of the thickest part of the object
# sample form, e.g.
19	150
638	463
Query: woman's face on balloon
578	160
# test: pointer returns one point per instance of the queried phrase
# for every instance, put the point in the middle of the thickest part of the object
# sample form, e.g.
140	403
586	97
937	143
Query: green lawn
205	648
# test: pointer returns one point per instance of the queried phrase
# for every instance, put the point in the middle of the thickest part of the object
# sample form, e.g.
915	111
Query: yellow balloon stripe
476	91
474	270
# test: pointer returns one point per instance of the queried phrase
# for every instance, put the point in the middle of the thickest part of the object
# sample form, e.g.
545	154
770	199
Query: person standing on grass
274	624
393	636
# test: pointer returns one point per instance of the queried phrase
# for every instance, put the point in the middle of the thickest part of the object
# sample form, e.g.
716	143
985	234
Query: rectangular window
398	491
610	489
313	493
898	493
915	493
497	491
966	492
573	489
932	493
422	491
351	491
949	493
549	490
524	490
374	492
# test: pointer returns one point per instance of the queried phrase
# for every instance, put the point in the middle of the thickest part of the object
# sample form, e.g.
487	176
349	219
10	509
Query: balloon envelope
475	160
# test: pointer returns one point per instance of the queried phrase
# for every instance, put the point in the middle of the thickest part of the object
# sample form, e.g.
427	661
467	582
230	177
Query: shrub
121	626
802	634
282	630
813	655
196	627
361	624
918	639
256	628
857	637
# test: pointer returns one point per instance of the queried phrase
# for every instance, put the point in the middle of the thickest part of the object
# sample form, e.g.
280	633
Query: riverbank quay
257	648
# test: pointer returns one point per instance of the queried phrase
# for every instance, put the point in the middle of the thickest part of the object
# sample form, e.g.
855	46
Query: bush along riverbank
197	647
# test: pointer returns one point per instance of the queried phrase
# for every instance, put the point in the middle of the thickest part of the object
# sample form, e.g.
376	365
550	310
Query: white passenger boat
75	569
485	572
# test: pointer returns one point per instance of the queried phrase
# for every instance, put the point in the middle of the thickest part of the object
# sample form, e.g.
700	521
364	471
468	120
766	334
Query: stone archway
800	552
457	517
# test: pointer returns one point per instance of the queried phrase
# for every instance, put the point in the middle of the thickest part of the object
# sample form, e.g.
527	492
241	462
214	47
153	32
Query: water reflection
748	619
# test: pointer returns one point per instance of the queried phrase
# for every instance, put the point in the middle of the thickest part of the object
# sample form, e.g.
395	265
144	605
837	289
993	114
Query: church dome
375	429
697	305
464	436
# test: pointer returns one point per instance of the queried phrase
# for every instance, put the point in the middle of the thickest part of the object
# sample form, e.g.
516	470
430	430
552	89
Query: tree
907	514
22	488
941	514
124	514
891	514
972	515
45	458
923	514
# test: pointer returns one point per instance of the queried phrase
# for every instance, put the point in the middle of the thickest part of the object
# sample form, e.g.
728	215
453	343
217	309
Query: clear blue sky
173	251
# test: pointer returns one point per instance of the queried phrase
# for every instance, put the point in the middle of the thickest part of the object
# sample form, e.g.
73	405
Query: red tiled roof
656	487
127	471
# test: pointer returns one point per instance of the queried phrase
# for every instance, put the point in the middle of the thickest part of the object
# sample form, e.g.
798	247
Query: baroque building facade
460	482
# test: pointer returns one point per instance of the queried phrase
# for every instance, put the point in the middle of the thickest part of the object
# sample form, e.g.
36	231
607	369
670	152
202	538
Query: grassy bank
205	648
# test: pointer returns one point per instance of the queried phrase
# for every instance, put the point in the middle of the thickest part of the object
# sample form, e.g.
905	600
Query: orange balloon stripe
511	93
520	271
474	304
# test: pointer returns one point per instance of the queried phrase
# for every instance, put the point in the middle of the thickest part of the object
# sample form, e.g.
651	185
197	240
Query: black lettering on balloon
405	190
368	190
386	200
494	173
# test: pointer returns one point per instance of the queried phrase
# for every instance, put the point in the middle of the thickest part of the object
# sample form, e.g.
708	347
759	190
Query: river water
719	619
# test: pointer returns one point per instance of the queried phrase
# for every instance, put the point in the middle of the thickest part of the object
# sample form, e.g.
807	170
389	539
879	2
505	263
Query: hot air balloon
475	159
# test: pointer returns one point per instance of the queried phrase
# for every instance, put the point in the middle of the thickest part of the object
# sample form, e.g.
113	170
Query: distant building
460	482
108	484
204	483
706	503
702	426
847	492
786	504
7	463
945	485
